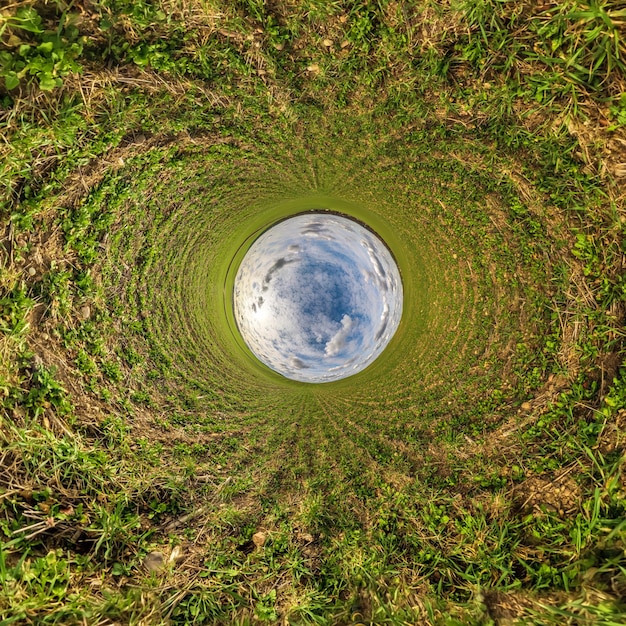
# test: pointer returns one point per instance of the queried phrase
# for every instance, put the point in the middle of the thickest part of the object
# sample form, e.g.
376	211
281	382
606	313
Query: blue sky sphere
317	297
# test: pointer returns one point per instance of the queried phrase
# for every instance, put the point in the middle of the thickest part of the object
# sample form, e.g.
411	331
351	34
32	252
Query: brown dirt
506	609
548	494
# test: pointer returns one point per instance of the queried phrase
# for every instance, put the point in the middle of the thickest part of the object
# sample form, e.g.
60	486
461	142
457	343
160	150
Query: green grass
473	475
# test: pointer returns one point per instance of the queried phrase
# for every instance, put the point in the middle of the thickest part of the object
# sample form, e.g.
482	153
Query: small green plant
46	392
111	369
57	288
48	59
618	113
86	364
14	309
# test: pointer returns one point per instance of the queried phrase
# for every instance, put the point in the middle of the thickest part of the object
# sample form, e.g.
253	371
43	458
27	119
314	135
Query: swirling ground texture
154	471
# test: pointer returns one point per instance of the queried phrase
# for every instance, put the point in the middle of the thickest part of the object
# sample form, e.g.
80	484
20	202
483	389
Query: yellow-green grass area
152	471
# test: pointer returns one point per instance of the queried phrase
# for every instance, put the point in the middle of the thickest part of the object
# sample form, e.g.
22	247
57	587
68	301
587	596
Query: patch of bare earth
558	494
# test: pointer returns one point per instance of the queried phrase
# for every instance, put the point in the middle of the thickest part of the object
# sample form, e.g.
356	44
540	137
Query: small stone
278	46
139	139
455	256
345	44
314	68
85	312
526	406
154	561
32	271
177	555
259	539
327	42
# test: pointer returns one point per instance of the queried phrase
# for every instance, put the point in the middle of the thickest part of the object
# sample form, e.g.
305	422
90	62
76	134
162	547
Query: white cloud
338	342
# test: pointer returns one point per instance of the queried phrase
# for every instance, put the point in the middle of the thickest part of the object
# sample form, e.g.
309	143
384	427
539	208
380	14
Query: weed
50	57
